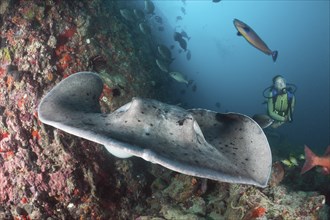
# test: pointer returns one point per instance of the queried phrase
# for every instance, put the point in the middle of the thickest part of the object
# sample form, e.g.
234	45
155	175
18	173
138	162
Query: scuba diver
281	101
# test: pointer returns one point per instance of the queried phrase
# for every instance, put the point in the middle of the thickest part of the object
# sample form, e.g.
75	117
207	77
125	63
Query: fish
188	55
177	36
313	160
178	18
293	161
165	52
127	14
179	77
183	10
251	36
287	162
183	44
263	121
139	14
216	1
145	29
149	6
185	35
159	19
163	66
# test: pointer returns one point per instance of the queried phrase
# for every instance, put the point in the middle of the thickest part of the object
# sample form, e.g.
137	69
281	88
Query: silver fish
163	66
138	14
149	7
179	77
127	14
164	52
145	29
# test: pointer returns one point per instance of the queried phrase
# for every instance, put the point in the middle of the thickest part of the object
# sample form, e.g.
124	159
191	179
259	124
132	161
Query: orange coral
254	213
66	35
64	61
35	134
258	212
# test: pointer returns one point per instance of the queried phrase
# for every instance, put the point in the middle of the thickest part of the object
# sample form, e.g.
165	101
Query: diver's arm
293	102
271	113
292	108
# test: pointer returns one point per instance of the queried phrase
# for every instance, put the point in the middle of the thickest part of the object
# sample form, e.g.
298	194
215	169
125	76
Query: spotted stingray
227	147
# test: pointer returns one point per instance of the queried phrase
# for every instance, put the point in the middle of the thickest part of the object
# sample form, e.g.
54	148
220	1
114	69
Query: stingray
227	147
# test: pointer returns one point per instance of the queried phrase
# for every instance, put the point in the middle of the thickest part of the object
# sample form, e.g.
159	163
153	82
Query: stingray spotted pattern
227	147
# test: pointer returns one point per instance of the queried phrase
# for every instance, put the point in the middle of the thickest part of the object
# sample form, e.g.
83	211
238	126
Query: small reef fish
188	55
185	35
313	160
183	10
162	65
178	37
287	162
183	44
179	77
252	37
165	52
138	14
263	121
145	29
159	19
149	6
127	14
178	18
293	161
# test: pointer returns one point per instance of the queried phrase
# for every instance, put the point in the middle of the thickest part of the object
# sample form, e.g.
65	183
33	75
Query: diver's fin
274	55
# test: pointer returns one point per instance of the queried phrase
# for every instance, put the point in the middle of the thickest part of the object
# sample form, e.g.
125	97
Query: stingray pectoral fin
241	142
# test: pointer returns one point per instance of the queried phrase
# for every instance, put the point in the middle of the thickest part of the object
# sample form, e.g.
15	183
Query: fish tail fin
274	55
309	160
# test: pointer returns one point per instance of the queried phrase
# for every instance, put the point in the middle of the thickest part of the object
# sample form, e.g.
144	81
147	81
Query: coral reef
44	172
48	174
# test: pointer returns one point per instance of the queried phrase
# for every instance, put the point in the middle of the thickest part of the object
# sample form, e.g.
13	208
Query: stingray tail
274	55
310	161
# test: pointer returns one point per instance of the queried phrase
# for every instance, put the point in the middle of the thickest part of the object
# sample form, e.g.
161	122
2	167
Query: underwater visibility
152	110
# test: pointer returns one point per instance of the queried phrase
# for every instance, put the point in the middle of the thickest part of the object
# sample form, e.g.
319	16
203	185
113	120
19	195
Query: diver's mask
280	84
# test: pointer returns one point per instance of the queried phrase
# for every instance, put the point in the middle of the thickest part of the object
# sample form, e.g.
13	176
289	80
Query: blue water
228	70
